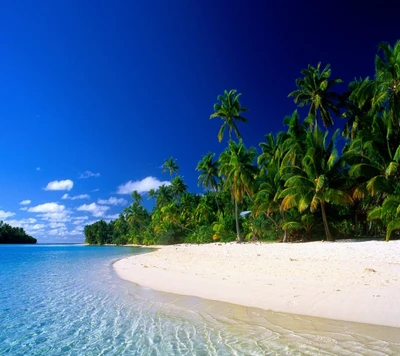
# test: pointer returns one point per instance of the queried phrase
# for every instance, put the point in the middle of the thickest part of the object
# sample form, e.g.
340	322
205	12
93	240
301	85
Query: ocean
68	300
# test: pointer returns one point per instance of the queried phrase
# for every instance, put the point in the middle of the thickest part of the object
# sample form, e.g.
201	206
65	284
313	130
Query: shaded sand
352	281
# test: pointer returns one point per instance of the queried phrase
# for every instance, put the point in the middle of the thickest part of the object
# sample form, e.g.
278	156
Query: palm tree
178	187
152	194
286	148
374	156
170	166
208	177
171	215
229	110
188	205
236	165
271	151
294	140
388	213
317	181
137	198
314	90
358	104
137	217
164	195
387	77
208	169
267	198
205	210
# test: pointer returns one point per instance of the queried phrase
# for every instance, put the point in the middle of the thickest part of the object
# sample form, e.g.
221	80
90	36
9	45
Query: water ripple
67	300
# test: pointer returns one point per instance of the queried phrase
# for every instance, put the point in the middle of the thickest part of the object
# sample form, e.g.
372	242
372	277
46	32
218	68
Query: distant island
14	235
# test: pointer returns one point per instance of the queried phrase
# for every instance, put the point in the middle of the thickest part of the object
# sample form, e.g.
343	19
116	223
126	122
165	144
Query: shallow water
67	300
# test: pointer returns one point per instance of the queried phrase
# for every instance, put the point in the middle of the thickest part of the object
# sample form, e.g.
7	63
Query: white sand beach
352	281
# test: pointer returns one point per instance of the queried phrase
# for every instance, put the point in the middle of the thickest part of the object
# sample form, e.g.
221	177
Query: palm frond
375	213
337	197
292	225
393	225
289	201
363	170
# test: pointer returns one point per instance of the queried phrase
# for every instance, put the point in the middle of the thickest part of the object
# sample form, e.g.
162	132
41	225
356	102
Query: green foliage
224	228
229	110
208	169
99	233
170	237
237	168
300	186
203	234
170	166
314	90
345	227
14	235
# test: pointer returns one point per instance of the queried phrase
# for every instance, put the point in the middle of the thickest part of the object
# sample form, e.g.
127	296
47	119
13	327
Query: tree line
14	235
301	186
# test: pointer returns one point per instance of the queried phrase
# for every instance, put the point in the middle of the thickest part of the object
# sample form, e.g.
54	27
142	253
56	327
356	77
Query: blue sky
95	95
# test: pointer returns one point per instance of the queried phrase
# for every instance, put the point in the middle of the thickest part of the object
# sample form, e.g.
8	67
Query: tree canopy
14	235
306	182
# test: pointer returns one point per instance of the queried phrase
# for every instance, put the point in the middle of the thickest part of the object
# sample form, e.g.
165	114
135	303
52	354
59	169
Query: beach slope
352	281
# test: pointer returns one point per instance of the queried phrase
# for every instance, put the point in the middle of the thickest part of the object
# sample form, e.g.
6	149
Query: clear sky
95	95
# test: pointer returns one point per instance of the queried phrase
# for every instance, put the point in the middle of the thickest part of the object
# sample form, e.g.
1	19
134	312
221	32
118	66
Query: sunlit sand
352	281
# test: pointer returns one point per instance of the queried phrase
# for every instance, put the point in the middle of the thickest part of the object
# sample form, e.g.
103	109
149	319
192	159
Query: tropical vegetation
14	235
333	174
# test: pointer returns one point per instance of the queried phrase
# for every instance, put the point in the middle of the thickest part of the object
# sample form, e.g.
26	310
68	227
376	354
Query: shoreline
349	281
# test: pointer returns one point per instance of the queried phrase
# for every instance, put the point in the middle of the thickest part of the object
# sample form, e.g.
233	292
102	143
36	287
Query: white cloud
6	214
28	225
75	232
95	190
51	212
60	185
37	226
21	222
62	231
52	228
25	202
88	174
28	221
47	208
54	225
24	208
38	168
113	201
141	186
63	216
80	196
80	218
94	209
112	217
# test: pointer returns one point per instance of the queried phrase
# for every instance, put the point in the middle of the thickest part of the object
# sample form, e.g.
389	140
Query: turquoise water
67	300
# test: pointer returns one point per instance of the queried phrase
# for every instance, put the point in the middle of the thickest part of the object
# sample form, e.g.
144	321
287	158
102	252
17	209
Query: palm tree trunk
216	200
326	226
356	223
184	227
239	234
273	221
284	232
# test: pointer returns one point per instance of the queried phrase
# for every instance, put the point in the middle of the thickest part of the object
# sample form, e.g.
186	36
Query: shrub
203	234
170	237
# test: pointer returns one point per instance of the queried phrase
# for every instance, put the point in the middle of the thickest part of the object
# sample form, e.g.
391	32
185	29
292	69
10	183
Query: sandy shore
352	281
